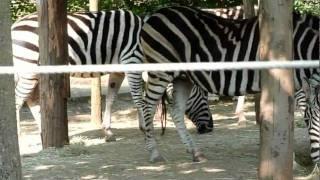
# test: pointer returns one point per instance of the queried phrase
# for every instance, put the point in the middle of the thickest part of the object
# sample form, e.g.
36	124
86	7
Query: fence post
277	103
96	117
10	165
52	15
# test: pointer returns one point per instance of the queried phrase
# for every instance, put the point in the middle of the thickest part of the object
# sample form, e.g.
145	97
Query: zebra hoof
199	157
109	137
242	123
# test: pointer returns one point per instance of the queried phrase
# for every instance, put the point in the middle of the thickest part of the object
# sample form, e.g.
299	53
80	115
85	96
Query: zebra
311	87
184	34
197	109
194	109
104	37
237	13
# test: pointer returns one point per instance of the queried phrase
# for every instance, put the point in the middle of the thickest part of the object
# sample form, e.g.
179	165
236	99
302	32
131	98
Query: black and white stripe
104	37
182	34
311	88
93	38
237	13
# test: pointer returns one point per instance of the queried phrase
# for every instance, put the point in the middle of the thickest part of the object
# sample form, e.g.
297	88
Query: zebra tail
163	116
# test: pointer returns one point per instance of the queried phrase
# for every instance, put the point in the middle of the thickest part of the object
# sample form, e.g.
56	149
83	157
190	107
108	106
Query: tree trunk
96	112
53	49
277	101
10	165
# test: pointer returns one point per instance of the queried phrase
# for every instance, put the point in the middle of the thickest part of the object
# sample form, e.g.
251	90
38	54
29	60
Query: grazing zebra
183	34
105	37
198	111
236	13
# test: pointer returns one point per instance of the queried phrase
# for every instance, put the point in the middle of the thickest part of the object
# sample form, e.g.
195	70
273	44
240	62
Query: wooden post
277	102
53	49
10	165
96	117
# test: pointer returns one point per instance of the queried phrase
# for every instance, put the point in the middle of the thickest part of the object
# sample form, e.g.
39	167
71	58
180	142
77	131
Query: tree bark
277	102
96	112
53	49
10	165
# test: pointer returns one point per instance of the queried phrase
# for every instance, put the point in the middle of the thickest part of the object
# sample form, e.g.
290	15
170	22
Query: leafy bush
307	6
20	8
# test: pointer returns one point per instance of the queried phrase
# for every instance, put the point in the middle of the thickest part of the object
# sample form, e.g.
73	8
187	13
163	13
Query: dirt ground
232	151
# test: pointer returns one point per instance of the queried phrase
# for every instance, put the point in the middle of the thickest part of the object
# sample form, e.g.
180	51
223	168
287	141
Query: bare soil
232	151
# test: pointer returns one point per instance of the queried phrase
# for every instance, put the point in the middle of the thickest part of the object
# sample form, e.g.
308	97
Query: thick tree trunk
53	87
277	102
10	165
96	112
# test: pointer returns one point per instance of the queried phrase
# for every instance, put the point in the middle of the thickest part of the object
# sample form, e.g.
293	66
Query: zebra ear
306	87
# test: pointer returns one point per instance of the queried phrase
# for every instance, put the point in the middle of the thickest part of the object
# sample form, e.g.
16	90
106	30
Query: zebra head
311	88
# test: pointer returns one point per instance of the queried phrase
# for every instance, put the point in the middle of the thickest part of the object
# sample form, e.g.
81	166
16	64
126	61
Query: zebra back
104	37
182	34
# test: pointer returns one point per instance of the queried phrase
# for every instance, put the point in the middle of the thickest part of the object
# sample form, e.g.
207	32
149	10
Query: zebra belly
227	83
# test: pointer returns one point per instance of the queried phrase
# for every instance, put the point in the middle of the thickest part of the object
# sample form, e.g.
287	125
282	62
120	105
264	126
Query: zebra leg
114	84
155	89
18	109
25	85
136	85
34	105
239	111
181	92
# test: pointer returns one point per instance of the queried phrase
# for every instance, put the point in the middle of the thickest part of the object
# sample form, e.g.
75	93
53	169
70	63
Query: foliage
307	6
20	8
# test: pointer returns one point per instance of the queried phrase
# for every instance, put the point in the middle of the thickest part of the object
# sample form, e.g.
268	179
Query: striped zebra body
311	88
300	101
94	38
197	109
182	34
104	37
194	109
